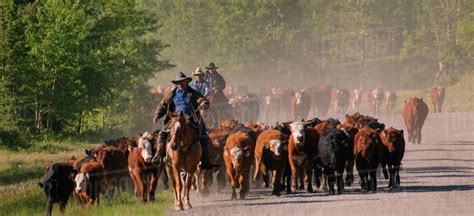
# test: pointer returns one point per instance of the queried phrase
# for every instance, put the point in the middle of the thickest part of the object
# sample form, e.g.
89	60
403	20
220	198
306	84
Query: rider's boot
206	163
160	147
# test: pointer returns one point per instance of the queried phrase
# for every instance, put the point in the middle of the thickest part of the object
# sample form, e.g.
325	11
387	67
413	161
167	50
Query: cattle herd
316	155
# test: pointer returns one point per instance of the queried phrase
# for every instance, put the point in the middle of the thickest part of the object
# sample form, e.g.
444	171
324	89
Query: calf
57	186
269	156
302	150
437	97
238	154
89	181
366	151
393	149
141	168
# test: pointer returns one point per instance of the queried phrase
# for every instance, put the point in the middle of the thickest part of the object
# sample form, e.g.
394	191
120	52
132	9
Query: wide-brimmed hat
198	71
211	65
180	77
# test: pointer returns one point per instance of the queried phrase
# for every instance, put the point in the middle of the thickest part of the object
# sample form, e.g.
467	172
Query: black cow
334	150
57	186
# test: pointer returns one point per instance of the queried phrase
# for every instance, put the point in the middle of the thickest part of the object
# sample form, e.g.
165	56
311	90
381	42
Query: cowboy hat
211	65
198	71
180	76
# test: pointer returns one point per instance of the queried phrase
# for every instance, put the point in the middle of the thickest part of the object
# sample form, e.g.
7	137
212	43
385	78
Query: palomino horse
183	156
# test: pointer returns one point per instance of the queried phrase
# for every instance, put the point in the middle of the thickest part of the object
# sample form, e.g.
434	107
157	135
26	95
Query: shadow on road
437	169
436	188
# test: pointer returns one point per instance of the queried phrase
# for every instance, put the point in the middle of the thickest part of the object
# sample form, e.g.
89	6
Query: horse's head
178	125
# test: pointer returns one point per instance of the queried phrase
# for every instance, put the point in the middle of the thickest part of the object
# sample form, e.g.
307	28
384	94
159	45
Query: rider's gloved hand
204	105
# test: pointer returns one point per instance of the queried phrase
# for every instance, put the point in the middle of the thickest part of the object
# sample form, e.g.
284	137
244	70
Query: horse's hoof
178	208
188	206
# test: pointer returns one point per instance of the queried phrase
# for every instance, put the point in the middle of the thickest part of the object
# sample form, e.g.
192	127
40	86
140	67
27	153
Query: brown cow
366	152
140	166
115	163
437	97
390	101
414	115
302	150
358	120
393	149
300	104
269	156
89	182
238	155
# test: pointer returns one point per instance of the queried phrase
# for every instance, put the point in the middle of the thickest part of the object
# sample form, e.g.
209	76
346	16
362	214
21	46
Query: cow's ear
383	134
405	101
400	132
41	185
87	175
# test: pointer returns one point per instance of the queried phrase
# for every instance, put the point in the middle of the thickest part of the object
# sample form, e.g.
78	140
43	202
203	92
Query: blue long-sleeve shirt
202	87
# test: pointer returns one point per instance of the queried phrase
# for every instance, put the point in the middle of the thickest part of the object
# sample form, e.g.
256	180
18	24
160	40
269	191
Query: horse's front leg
176	180
187	188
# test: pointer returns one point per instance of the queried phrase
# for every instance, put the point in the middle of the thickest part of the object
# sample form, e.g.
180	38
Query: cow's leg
153	183
309	177
49	207
397	173
418	134
362	170
340	181
243	186
294	184
301	175
392	181
349	171
140	185
276	176
329	173
373	179
221	179
205	182
384	170
317	176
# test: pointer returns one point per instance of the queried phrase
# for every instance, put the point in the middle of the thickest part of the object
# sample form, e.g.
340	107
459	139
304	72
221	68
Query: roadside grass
22	169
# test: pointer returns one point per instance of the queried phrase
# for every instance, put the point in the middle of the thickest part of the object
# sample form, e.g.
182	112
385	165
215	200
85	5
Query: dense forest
84	67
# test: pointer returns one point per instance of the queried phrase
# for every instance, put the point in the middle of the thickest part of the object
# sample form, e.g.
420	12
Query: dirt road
437	179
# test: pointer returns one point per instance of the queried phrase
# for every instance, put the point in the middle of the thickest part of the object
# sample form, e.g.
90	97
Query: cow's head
298	97
81	182
276	147
145	146
440	90
238	154
357	93
390	137
268	99
297	131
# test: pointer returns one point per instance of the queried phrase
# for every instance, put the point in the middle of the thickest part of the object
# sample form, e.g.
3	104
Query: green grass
22	169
